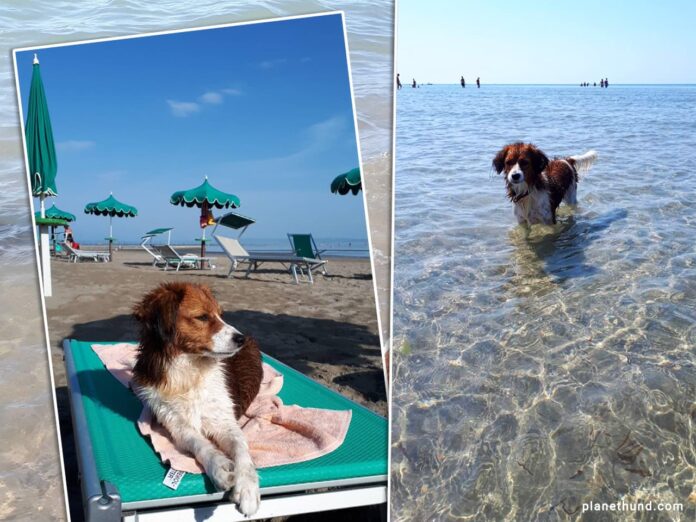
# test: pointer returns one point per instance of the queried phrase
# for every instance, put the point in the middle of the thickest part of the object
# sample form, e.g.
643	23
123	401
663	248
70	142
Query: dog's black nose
516	176
238	339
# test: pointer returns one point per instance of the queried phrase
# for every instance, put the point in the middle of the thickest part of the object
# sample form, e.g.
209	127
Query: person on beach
601	82
69	239
398	81
414	84
463	82
606	82
478	82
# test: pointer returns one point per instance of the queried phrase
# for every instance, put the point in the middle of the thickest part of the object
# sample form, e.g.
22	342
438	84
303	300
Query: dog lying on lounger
198	375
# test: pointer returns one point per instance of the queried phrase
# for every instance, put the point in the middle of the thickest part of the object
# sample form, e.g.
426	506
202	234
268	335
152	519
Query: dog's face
185	318
522	164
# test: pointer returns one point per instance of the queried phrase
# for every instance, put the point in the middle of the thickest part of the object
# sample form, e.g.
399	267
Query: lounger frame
170	257
237	255
102	502
75	255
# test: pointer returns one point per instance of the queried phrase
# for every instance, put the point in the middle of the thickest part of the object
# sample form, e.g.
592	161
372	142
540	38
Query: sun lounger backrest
70	249
303	245
232	247
167	251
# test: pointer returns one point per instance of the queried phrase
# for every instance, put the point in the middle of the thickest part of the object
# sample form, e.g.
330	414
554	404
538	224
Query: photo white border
364	196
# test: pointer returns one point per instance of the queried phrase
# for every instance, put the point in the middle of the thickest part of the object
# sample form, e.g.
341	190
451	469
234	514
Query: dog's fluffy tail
583	162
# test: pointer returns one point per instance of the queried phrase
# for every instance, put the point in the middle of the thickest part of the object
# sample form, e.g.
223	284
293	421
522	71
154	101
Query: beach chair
121	475
76	255
152	249
304	246
237	255
171	257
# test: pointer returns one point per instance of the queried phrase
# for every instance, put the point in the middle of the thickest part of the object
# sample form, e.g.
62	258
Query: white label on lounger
173	478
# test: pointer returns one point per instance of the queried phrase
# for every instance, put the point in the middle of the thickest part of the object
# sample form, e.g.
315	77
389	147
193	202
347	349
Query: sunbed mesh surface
126	459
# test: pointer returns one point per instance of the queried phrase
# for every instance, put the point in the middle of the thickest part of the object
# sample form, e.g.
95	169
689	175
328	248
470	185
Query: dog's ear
499	160
158	311
539	159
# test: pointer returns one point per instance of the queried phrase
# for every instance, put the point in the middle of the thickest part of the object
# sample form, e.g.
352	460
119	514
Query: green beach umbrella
204	196
41	151
41	158
111	207
347	182
56	213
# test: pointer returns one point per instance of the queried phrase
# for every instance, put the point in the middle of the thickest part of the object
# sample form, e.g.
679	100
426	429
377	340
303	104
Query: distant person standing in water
606	82
414	84
398	81
601	82
478	82
463	82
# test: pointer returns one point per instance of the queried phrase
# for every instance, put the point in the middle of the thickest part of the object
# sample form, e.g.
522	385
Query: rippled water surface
30	485
535	370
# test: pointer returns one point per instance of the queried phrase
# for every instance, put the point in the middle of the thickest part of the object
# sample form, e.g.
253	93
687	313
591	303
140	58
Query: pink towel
276	434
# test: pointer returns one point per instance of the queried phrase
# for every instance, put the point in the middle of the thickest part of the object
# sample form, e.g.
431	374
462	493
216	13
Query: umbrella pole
203	263
111	238
45	253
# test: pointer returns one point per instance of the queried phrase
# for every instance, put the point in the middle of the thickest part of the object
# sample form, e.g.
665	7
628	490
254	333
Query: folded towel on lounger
277	434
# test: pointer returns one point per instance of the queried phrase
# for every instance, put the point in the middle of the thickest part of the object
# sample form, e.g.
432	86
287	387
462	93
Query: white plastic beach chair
237	254
172	258
76	255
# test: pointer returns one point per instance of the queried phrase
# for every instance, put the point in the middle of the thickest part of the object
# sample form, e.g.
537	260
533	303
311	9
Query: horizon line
576	84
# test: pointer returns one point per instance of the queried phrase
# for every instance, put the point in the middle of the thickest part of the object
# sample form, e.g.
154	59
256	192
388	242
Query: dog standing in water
536	185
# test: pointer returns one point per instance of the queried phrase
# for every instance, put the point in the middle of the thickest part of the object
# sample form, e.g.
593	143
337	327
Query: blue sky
547	41
264	110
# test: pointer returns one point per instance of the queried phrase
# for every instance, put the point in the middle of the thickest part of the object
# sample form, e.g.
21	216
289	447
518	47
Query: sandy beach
328	330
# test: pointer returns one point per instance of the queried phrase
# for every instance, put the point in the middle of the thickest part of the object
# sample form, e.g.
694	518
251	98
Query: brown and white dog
198	375
537	185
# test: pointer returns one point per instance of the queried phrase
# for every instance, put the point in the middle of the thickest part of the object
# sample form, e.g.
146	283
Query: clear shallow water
30	483
535	371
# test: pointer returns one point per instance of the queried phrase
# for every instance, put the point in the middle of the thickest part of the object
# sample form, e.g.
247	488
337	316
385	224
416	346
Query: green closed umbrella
41	151
41	158
347	182
204	196
111	207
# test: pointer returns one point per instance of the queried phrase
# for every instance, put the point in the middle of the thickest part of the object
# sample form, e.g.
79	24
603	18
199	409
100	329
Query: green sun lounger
121	475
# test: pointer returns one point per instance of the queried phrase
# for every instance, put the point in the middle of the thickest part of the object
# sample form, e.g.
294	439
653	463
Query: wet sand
328	330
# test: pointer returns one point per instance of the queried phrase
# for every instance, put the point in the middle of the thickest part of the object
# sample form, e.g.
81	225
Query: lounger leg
233	267
293	267
309	275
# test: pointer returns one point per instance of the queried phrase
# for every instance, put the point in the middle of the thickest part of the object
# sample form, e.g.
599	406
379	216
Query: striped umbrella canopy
204	196
111	207
41	151
347	182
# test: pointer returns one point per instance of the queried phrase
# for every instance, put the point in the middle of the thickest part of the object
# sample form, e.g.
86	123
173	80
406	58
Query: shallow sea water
30	476
535	370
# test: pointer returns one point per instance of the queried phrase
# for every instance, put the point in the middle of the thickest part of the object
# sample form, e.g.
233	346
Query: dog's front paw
245	492
221	472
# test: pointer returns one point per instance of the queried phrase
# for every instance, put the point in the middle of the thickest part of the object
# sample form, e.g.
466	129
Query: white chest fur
535	208
194	393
